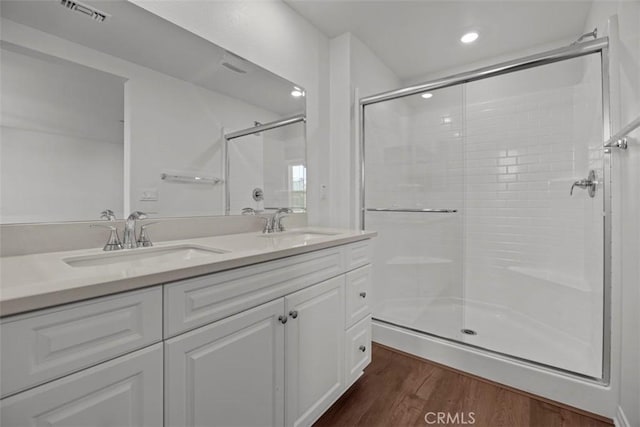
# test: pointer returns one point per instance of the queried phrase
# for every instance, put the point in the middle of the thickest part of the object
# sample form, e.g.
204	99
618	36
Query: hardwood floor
399	390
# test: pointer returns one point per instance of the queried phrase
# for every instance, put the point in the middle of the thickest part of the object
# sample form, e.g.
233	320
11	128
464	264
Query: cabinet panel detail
314	350
229	373
358	294
48	344
358	254
126	391
196	302
358	349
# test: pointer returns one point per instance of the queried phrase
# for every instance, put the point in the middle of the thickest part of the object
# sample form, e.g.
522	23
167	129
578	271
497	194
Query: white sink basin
141	257
299	234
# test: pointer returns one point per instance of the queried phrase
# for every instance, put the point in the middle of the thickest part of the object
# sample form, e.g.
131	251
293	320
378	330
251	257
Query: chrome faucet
274	222
108	215
129	241
143	237
113	243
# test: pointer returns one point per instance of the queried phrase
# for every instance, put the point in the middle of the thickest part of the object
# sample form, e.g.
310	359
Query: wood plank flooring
399	390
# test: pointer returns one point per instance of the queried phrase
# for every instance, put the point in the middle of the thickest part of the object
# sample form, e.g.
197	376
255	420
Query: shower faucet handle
589	183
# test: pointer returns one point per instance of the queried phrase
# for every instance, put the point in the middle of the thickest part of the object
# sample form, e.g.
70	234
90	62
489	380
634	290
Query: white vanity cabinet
281	363
228	373
232	372
273	343
47	344
314	355
123	392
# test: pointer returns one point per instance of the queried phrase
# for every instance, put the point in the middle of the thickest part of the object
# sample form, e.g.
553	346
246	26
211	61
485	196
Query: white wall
353	66
62	144
275	37
625	85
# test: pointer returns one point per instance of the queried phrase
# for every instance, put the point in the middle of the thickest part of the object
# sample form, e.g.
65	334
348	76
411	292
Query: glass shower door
489	201
533	243
414	199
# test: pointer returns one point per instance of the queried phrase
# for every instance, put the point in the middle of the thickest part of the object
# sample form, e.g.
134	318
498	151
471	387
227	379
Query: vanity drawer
196	302
123	392
41	346
358	291
358	350
358	254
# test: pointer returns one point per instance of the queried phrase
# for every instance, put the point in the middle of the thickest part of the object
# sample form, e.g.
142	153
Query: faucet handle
114	243
248	211
268	224
278	225
137	215
277	218
108	214
143	239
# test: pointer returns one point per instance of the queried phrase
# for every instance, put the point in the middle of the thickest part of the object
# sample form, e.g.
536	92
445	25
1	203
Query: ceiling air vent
234	62
89	11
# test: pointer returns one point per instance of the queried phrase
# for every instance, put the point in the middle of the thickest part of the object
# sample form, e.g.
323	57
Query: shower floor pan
493	328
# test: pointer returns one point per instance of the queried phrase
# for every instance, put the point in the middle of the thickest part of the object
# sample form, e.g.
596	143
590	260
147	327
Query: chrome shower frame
601	46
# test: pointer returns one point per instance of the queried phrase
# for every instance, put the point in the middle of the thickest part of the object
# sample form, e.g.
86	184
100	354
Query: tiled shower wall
504	152
529	245
409	167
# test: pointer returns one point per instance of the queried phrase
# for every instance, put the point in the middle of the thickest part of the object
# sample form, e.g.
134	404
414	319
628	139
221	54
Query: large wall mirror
107	106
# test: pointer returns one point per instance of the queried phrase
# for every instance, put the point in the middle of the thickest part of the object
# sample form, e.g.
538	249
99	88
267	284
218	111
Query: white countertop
37	281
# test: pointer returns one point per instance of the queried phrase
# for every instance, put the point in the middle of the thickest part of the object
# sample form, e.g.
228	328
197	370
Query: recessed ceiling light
426	95
469	37
297	92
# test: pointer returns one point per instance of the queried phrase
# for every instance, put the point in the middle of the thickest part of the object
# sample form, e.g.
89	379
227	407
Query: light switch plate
148	195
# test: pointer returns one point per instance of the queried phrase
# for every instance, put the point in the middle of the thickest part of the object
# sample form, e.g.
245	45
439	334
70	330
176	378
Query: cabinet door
126	391
228	373
314	350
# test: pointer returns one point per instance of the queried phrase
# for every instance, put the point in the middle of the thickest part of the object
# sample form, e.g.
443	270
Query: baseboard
620	419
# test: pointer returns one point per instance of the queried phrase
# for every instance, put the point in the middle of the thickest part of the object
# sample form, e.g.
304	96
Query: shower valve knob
590	184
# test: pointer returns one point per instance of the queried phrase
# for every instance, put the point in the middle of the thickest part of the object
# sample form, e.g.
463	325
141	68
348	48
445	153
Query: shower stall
490	193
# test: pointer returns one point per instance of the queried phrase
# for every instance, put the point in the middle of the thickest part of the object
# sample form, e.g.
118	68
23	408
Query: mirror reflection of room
280	176
134	132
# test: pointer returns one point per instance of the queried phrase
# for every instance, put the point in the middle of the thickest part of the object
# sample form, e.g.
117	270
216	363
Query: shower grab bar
412	210
619	140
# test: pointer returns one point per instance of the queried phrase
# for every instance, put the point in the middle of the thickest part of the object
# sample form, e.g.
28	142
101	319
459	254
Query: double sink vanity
194	329
240	329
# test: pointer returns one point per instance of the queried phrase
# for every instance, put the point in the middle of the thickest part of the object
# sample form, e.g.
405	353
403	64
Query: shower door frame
576	50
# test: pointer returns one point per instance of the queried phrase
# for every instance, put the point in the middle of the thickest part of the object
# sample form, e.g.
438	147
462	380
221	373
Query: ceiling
138	36
416	38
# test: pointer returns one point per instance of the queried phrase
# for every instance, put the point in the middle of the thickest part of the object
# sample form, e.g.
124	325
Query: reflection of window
297	186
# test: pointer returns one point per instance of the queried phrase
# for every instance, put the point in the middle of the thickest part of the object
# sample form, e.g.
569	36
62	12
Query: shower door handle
590	184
